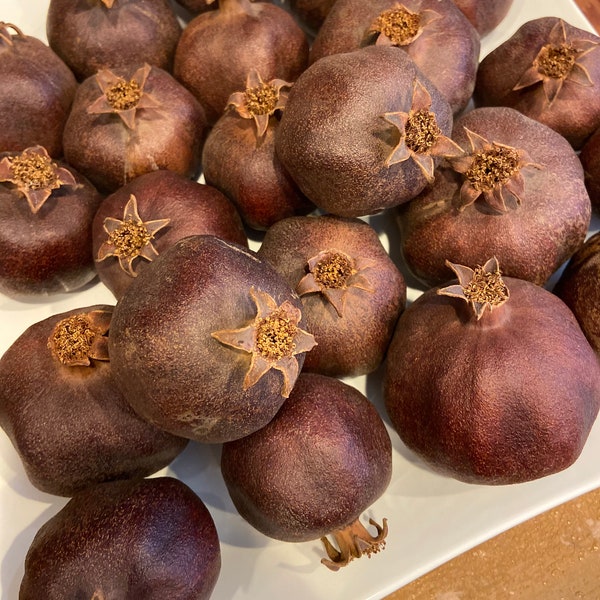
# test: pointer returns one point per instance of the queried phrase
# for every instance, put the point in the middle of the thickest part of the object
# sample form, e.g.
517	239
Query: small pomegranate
220	47
324	459
351	291
64	414
151	213
145	538
36	95
111	34
490	379
590	159
484	15
208	343
133	121
239	155
46	211
550	71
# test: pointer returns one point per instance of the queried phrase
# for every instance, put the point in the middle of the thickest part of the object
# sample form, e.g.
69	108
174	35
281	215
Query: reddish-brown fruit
493	381
169	207
46	211
208	343
219	48
90	36
484	15
351	291
590	159
311	472
63	412
311	13
147	538
130	122
36	94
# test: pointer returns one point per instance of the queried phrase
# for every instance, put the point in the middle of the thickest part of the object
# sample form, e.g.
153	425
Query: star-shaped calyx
273	339
5	35
421	139
482	288
557	61
78	339
494	170
259	100
108	3
35	175
130	237
123	97
332	273
400	26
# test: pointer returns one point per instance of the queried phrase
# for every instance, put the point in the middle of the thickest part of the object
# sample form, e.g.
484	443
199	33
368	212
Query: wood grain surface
554	556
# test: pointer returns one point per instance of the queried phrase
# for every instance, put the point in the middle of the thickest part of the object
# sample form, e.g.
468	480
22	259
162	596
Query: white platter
431	518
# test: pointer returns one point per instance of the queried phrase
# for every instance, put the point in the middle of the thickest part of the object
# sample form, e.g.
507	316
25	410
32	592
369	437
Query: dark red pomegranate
590	159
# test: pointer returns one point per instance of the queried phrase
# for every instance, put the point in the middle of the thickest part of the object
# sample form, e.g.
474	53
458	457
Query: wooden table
555	556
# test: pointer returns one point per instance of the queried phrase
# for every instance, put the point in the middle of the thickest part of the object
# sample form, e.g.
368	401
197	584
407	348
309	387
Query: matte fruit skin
484	15
169	367
579	288
451	67
322	461
145	539
333	140
192	208
531	240
71	426
355	343
590	159
47	252
91	36
503	400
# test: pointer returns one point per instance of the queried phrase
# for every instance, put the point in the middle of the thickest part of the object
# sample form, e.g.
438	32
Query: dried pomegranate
351	291
112	34
490	380
363	131
219	48
133	121
550	71
65	416
239	155
484	15
433	33
324	459
208	343
517	181
150	213
36	94
590	159
46	211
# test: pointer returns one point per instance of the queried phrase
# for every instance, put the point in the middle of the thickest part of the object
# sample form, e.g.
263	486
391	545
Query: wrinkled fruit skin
433	228
333	140
150	539
169	367
484	15
71	426
574	113
36	95
193	208
590	159
110	154
579	288
322	461
503	400
451	67
260	36
355	343
90	36
47	252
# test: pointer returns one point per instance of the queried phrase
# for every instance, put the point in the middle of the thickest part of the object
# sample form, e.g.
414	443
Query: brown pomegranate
484	15
590	159
490	380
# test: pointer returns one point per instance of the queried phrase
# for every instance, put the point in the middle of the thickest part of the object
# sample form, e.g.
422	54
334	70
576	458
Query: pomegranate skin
506	399
145	538
433	227
323	460
36	95
91	36
191	207
484	15
590	160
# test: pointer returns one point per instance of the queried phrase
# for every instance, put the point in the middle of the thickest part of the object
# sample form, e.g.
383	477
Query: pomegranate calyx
273	339
5	36
130	237
482	288
399	26
353	541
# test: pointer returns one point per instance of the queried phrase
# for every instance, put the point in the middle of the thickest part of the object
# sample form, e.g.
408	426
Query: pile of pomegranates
292	245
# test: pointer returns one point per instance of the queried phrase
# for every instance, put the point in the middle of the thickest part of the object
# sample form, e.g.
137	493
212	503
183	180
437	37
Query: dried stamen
275	336
422	131
486	287
71	340
33	171
262	99
556	61
124	95
492	167
397	24
129	239
333	271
